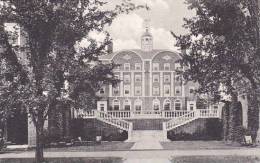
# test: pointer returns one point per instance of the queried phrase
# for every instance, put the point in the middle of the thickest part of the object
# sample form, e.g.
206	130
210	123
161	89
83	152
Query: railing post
164	131
130	130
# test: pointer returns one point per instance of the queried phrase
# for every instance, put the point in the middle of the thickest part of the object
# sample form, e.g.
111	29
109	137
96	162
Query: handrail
186	118
105	117
179	120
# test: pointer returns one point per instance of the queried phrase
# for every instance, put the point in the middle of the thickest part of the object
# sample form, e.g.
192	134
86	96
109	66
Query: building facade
149	81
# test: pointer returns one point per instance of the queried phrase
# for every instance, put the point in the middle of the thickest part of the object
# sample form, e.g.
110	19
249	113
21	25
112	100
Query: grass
104	146
65	160
197	145
215	159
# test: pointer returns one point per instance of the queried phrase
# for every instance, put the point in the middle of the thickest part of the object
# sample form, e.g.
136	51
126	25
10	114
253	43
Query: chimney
110	47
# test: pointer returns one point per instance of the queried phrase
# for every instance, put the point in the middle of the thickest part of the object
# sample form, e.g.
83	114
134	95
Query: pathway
147	139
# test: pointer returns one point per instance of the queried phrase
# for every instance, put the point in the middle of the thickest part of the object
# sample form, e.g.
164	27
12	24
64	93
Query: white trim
135	103
175	101
156	101
169	101
113	104
129	102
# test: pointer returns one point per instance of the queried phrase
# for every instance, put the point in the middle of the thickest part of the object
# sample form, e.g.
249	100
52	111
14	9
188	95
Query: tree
223	51
51	58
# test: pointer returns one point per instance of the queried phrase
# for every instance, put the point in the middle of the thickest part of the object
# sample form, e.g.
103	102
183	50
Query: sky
164	15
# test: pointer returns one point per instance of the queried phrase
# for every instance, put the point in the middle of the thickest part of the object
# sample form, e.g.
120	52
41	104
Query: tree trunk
253	115
225	117
232	116
39	158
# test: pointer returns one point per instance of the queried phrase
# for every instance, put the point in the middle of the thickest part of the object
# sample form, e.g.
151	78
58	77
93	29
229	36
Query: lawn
215	159
194	145
104	146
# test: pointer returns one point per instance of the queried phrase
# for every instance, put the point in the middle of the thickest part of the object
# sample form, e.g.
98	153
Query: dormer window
155	66
138	66
127	66
166	66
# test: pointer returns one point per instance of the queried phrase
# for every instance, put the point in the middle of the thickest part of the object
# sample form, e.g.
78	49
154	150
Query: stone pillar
244	103
31	133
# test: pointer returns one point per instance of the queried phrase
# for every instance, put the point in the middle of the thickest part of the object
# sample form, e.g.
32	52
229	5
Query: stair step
147	124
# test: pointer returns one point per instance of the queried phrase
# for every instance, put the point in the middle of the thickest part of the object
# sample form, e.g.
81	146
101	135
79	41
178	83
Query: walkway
140	154
147	139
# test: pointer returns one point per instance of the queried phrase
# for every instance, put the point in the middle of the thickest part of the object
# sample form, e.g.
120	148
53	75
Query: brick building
149	80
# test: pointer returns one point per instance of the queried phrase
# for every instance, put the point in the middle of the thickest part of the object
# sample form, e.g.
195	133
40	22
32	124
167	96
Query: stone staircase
147	124
149	130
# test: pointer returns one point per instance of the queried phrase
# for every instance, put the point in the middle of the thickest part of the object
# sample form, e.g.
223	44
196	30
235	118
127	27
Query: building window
138	66
127	78
177	66
138	105
156	91
191	91
177	105
167	91
191	105
116	90
102	91
138	90
126	90
116	104
156	78
138	78
167	105
177	78
178	91
167	79
156	105
155	66
102	107
127	66
127	105
166	66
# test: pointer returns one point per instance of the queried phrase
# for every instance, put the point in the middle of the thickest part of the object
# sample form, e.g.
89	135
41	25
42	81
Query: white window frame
128	88
156	76
138	76
175	91
138	88
127	78
166	77
166	101
189	103
167	66
117	87
127	67
118	103
127	102
138	102
156	67
177	102
155	90
156	101
167	87
138	66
